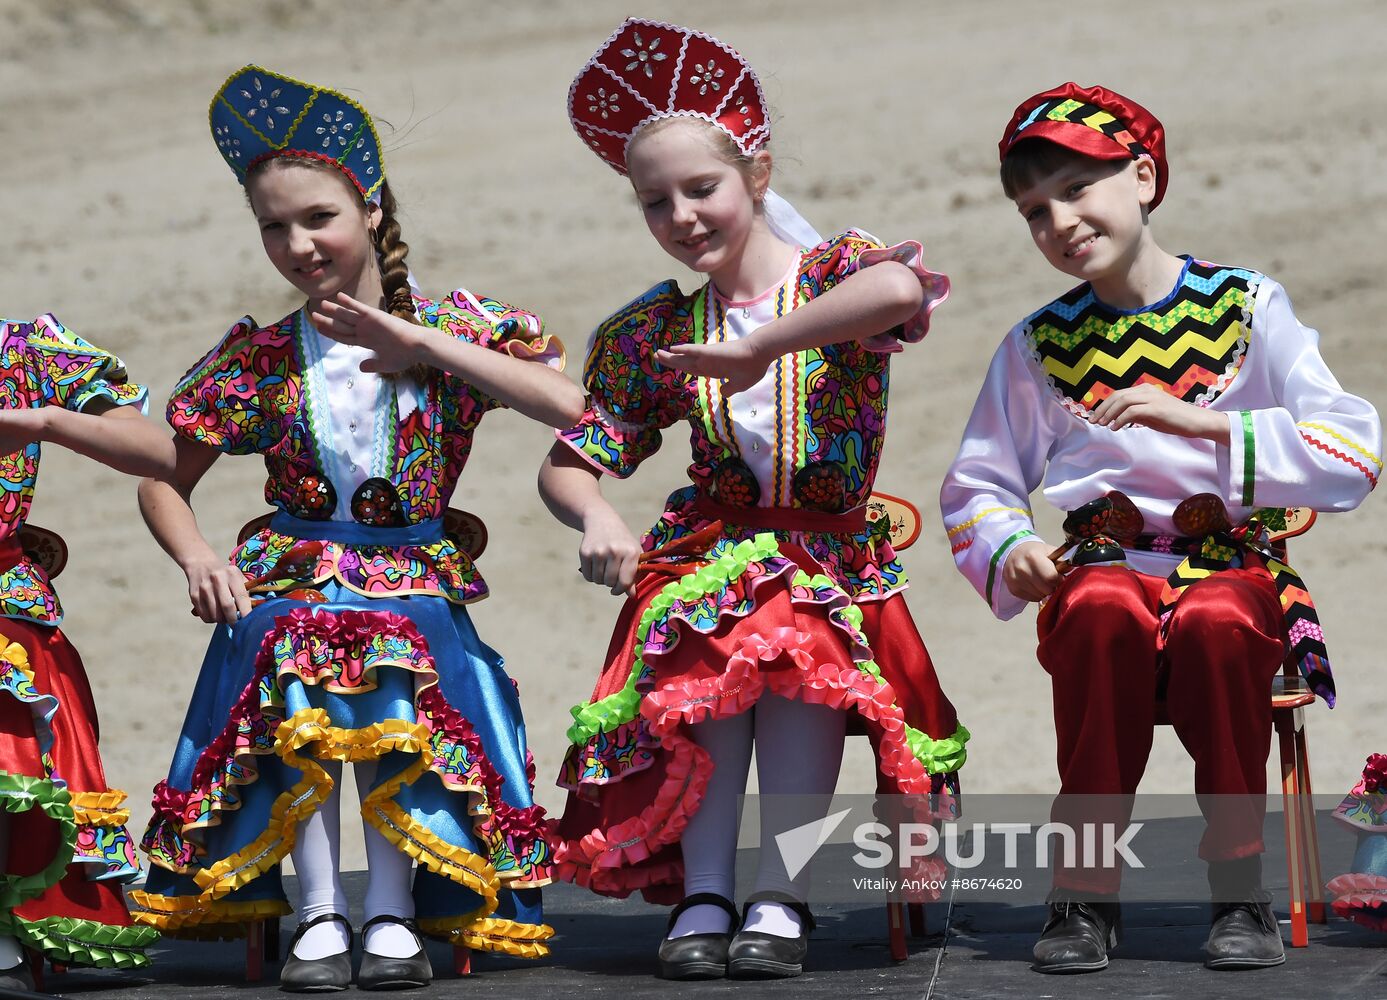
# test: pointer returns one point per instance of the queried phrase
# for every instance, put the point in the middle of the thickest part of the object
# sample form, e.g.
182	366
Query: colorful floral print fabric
44	364
249	395
837	433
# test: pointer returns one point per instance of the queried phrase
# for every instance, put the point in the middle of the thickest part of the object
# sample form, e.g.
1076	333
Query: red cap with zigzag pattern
1093	121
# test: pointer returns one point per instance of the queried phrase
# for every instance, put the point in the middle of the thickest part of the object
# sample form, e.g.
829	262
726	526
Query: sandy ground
124	222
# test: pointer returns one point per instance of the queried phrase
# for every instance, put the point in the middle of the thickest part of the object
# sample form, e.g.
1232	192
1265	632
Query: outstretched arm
536	390
216	588
118	436
867	302
609	553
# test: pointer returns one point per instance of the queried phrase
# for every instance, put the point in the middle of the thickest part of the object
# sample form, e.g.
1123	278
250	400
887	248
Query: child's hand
736	362
1153	407
218	591
397	343
1029	574
609	554
20	428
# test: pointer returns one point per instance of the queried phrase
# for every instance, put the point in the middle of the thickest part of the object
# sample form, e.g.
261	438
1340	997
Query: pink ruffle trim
603	860
1360	898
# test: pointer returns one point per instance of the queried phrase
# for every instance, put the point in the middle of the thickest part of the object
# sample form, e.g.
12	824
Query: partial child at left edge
62	827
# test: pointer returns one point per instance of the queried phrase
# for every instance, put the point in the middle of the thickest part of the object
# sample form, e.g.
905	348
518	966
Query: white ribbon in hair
786	223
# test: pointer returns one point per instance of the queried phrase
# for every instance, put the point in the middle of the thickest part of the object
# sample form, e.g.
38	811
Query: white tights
317	854
799	749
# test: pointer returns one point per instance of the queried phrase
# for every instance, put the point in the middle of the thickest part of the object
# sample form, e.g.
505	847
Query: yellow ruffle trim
185	914
100	808
182	915
351	745
292	807
507	937
448	860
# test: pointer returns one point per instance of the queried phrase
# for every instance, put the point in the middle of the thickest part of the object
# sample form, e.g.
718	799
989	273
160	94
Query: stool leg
462	960
1314	878
917	919
272	939
895	924
1290	793
255	951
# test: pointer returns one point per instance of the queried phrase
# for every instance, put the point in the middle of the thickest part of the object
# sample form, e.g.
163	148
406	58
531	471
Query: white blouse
1296	440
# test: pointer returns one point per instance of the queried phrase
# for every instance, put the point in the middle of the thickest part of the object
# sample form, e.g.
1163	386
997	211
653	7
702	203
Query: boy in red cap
1175	408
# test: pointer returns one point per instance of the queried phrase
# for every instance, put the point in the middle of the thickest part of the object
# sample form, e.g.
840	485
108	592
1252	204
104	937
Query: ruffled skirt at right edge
759	617
68	850
1360	895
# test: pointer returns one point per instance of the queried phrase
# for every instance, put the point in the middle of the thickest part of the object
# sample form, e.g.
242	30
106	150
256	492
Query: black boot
1244	933
697	956
1078	934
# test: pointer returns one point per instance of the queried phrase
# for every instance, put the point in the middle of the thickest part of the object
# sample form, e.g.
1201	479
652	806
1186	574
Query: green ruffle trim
618	709
942	756
86	942
20	793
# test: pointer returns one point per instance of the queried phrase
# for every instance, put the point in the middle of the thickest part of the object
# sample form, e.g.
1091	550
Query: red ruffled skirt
69	852
706	640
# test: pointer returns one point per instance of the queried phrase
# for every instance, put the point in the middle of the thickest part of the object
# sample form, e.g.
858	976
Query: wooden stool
896	914
262	942
1289	697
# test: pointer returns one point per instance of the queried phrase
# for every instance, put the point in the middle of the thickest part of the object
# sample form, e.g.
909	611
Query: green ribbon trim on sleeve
997	558
1249	458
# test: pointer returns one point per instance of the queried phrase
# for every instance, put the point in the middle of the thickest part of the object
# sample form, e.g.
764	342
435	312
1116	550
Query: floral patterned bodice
44	364
830	406
256	393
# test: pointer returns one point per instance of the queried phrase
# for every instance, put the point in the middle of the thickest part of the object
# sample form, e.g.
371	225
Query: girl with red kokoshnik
64	850
345	634
762	607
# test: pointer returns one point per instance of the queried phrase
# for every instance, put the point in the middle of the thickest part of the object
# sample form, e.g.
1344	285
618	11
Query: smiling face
315	229
700	207
1088	217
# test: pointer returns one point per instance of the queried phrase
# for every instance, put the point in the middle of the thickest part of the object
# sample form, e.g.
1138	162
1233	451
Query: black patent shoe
697	956
317	975
380	973
757	955
1244	935
1077	936
19	977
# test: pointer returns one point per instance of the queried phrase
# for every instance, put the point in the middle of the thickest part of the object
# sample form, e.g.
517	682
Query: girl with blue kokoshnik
343	629
64	849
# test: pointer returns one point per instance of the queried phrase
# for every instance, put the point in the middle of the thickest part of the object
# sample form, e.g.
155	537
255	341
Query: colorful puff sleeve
1001	460
631	399
837	258
1320	447
496	326
72	372
220	402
